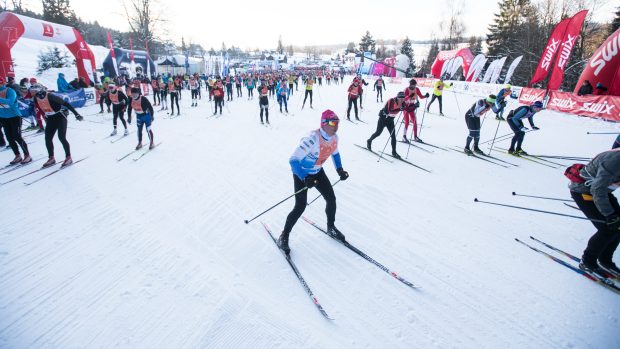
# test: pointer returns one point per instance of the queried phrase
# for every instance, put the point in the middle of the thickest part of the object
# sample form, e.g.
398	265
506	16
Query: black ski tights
301	199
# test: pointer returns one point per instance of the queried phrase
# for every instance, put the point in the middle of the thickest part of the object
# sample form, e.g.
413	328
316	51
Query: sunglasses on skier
331	122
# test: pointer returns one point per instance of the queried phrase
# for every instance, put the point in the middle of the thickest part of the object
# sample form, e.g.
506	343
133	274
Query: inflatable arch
15	27
604	66
465	59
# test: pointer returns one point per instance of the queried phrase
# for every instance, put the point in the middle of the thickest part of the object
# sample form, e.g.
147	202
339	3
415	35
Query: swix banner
605	107
604	66
553	45
530	95
566	47
112	54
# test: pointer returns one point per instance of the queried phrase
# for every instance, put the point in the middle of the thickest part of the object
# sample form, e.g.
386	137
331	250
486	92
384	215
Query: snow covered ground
155	254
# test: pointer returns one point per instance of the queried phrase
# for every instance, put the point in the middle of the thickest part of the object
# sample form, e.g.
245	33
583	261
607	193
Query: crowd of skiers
591	188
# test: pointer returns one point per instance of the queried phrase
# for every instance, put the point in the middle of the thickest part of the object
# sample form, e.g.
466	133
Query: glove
343	174
535	128
613	222
79	117
426	95
402	107
310	181
523	129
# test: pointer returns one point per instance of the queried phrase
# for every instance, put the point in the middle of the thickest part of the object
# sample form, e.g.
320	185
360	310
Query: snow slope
155	254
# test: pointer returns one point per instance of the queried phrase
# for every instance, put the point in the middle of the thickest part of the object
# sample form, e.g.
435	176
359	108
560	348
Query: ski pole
274	206
423	114
457	102
540	197
577	158
410	140
316	198
391	134
541	211
492	143
602	133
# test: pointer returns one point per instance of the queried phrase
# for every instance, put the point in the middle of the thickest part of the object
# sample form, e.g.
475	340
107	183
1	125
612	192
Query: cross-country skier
10	118
55	109
263	101
593	194
119	104
386	119
437	92
174	97
307	166
218	95
379	86
144	115
283	92
309	83
500	102
472	120
353	94
515	121
412	93
193	87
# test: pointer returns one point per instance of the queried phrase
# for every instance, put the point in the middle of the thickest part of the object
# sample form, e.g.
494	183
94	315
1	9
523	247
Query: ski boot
41	130
26	160
139	146
478	151
405	139
440	113
395	155
418	139
335	233
17	160
113	133
468	151
591	268
151	146
520	152
126	132
511	151
282	243
49	162
611	268
369	144
68	161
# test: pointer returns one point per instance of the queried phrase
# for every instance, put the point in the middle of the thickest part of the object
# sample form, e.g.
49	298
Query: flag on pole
566	47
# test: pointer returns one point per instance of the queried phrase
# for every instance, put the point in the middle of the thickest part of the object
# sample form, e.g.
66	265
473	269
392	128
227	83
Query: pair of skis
488	158
137	150
381	155
603	280
357	251
41	169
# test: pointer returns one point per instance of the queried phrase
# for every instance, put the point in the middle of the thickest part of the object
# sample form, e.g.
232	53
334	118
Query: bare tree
144	19
452	26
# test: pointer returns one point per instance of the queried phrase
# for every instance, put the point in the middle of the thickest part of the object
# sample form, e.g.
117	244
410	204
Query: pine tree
280	48
59	11
615	24
407	50
475	45
432	54
350	47
52	59
514	32
367	43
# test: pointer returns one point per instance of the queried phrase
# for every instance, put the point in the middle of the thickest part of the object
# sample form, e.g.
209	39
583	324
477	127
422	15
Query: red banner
604	66
553	44
568	42
605	107
531	95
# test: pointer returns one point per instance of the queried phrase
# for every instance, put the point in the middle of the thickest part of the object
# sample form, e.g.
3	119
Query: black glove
310	181
426	95
613	222
535	128
79	117
343	174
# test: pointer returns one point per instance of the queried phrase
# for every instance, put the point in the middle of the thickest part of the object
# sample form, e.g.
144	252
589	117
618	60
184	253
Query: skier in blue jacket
515	122
11	121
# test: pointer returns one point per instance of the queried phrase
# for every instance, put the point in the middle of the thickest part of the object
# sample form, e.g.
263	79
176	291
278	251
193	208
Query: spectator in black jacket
585	89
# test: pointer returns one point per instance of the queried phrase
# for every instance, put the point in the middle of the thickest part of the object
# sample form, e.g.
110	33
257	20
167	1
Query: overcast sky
258	23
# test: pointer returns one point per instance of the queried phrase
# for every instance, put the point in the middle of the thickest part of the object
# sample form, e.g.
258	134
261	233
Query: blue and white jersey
312	151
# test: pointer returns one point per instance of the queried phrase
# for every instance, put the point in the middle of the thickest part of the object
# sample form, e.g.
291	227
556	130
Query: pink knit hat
328	115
